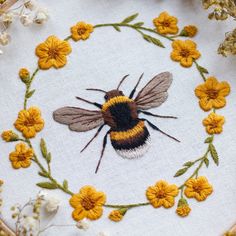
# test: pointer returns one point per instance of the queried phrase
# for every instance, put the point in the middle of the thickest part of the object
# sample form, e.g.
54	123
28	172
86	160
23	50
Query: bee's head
112	94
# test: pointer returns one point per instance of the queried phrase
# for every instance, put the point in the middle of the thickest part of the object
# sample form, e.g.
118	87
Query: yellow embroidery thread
120	135
115	100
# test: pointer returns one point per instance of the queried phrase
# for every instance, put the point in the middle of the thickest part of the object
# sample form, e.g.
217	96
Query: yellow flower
198	188
184	52
183	208
21	157
214	123
162	194
189	31
117	215
52	53
87	203
81	31
24	74
9	136
166	24
212	94
29	122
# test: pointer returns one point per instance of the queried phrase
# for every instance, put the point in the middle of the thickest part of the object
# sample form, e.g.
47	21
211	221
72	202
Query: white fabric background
101	62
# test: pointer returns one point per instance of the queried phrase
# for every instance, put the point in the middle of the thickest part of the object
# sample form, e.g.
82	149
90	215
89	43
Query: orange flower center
161	194
30	121
212	93
21	157
214	124
184	52
197	188
81	30
87	203
166	23
53	53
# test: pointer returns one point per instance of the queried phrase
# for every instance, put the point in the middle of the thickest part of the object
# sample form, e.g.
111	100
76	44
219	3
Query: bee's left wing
155	92
78	119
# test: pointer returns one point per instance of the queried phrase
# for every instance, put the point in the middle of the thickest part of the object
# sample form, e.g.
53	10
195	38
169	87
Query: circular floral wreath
88	202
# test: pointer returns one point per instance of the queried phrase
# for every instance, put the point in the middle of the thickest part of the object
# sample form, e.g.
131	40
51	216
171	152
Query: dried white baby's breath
83	224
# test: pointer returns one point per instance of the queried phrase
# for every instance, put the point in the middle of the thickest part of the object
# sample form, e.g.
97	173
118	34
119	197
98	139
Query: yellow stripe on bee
115	100
130	133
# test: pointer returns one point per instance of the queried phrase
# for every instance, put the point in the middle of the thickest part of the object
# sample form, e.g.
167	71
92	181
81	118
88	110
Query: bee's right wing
155	92
78	119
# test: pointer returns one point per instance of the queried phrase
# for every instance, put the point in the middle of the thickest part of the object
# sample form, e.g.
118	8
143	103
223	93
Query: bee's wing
78	119
155	91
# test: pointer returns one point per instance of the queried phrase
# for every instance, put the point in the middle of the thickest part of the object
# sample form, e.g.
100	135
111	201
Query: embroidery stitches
129	136
89	203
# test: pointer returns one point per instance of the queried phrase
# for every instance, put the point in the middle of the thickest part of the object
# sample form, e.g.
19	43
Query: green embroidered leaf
47	185
181	172
214	154
129	18
117	28
209	139
155	41
43	174
48	157
188	164
65	184
30	93
138	24
206	161
43	148
203	70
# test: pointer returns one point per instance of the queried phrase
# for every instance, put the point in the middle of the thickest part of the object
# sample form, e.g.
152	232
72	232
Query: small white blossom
30	224
83	224
25	19
4	38
41	16
52	204
42	194
31	4
7	19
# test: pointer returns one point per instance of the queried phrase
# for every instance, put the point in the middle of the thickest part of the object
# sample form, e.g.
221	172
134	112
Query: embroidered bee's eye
106	97
120	92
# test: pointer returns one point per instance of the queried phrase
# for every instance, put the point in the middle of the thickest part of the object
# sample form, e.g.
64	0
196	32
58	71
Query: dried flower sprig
222	10
228	46
28	12
27	223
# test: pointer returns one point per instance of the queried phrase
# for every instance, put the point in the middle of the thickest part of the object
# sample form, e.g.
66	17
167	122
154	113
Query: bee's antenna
122	80
133	91
93	103
93	89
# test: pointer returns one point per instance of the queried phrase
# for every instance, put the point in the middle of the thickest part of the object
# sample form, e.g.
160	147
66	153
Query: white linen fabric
100	62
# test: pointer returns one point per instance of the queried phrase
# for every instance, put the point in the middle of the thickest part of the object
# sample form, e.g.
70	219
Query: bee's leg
156	128
103	149
155	115
93	103
133	91
96	134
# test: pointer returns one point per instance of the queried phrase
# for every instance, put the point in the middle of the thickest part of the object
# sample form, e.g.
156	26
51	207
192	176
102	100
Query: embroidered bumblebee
128	133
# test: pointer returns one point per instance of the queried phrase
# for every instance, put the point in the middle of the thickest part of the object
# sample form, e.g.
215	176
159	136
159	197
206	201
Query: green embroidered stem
201	70
67	38
47	174
127	206
28	85
201	160
135	27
